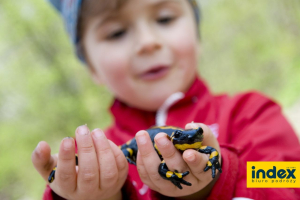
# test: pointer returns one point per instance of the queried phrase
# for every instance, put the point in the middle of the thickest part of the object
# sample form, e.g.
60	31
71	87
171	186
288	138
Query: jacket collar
132	119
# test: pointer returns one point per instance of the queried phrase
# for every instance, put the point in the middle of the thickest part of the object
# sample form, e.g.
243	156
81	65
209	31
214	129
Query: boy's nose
147	41
149	48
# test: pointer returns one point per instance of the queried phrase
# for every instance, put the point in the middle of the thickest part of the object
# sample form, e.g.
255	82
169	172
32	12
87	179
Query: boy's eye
116	34
165	20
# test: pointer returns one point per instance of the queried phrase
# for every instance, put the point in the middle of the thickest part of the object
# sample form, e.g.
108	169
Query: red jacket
248	127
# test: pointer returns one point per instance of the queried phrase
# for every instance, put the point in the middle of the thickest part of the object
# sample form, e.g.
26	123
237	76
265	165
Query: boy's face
144	52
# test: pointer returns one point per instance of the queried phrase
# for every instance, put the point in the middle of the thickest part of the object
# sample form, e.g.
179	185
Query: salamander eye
177	134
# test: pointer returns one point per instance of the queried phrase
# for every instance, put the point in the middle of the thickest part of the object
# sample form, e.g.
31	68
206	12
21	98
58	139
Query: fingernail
97	133
193	125
190	157
161	140
82	130
67	143
141	138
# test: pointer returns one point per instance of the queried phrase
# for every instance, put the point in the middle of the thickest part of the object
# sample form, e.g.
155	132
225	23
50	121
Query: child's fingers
66	173
142	169
171	155
121	161
42	160
143	173
149	158
197	162
106	160
208	140
88	172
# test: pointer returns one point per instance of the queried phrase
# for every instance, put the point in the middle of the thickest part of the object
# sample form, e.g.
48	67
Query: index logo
273	174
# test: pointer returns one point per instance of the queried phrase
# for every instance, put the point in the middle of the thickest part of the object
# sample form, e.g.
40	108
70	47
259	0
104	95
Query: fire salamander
182	140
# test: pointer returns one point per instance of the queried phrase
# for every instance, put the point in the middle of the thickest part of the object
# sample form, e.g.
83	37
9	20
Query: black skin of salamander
179	137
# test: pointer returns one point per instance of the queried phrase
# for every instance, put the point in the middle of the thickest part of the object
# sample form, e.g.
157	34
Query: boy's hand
101	172
191	160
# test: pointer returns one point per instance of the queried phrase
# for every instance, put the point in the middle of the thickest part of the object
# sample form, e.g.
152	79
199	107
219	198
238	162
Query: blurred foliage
252	45
45	93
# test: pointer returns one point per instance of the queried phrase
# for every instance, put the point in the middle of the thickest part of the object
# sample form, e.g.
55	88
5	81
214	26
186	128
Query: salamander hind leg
213	162
129	150
175	177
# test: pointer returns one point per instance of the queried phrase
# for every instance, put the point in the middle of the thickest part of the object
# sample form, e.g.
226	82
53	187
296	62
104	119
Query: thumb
42	159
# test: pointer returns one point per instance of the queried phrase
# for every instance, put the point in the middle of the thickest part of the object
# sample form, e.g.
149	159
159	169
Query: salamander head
187	139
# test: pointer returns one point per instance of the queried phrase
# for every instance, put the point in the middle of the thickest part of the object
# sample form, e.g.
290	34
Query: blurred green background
45	93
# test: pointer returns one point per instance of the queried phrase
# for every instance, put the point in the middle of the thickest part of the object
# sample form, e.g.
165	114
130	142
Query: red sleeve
256	128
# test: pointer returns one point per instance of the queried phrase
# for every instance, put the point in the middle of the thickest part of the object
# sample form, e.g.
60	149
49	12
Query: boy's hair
76	13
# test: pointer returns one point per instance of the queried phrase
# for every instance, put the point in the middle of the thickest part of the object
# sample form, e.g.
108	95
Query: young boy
145	52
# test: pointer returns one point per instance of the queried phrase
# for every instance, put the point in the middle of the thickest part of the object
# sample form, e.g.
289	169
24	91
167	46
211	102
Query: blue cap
70	10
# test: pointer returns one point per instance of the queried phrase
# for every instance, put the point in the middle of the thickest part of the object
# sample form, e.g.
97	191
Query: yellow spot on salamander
213	154
130	151
155	146
209	163
166	127
172	134
169	174
179	175
203	147
183	147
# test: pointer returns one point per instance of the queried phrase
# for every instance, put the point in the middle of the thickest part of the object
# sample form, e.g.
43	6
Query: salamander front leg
175	177
213	162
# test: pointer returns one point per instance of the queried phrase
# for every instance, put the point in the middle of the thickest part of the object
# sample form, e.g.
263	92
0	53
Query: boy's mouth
155	73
